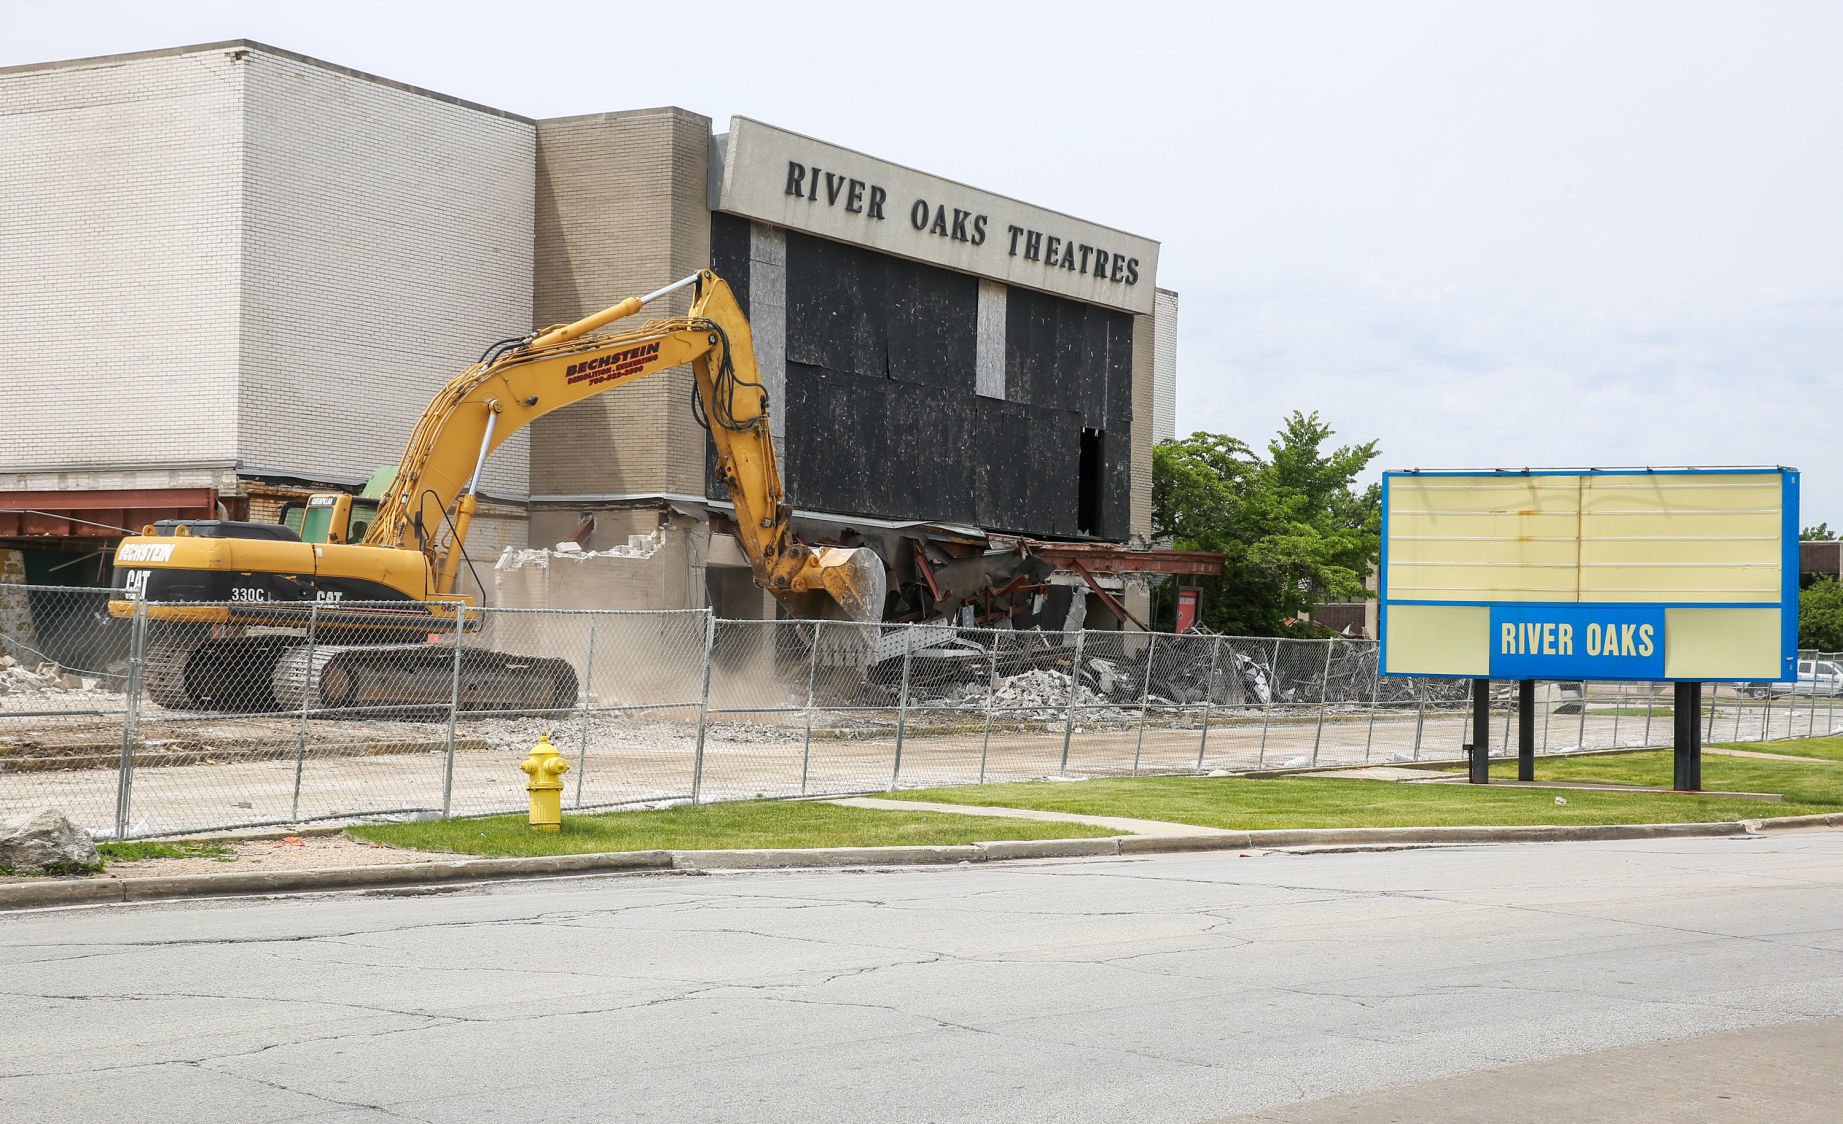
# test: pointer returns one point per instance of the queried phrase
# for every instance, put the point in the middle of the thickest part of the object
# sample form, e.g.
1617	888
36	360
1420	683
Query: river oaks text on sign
1615	574
788	180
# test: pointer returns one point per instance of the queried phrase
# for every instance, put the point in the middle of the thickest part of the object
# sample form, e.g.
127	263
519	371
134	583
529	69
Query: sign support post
1688	716
1526	729
1481	732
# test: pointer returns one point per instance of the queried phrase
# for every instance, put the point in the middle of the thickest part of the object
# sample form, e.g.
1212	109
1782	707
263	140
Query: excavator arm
206	582
431	501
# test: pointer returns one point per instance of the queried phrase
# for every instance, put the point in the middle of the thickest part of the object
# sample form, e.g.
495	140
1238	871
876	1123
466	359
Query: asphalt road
1555	981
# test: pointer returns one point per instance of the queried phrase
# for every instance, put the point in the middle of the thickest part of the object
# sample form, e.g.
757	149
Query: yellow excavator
233	602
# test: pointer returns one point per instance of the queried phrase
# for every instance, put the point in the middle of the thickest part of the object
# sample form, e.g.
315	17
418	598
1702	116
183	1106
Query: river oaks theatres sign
793	181
1613	574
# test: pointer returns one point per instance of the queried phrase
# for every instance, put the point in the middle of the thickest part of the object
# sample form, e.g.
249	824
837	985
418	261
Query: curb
58	892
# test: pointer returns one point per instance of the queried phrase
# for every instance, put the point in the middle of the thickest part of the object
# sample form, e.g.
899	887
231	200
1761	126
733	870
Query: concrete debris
1296	763
45	842
45	679
1032	696
638	546
1112	680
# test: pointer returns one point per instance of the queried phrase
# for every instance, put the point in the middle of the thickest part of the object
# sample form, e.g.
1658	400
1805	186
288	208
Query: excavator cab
336	517
327	518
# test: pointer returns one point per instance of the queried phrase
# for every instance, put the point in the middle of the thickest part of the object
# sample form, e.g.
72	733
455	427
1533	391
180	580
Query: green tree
1820	616
1291	526
1819	533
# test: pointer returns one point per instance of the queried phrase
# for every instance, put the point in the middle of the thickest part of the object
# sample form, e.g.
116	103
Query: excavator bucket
851	585
856	580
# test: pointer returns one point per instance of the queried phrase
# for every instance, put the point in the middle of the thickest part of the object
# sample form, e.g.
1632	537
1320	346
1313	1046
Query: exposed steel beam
100	514
1120	612
1110	559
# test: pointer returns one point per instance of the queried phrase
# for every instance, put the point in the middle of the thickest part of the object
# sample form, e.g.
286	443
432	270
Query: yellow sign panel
1591	553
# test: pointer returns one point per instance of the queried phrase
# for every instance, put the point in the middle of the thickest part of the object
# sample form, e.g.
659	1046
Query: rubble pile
1040	695
45	679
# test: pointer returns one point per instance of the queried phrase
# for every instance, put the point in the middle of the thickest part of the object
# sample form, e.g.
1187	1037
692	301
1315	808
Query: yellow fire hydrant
545	768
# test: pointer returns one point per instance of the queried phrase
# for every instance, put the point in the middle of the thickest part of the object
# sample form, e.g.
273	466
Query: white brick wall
1164	366
387	240
120	203
228	255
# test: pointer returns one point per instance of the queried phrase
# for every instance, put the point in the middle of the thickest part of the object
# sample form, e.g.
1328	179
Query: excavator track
190	671
271	672
418	680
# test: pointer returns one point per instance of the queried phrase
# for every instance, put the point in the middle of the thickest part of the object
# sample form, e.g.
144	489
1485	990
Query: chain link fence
142	726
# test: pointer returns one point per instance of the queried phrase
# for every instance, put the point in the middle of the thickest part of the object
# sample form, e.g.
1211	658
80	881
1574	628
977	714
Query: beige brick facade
620	212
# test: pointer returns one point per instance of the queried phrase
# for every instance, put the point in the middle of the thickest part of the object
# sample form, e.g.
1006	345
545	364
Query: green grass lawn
726	826
1813	787
1243	803
1281	802
1827	749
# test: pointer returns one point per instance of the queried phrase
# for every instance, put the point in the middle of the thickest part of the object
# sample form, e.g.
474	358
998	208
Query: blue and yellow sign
1629	574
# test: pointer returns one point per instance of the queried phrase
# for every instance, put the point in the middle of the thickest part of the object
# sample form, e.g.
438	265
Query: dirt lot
312	851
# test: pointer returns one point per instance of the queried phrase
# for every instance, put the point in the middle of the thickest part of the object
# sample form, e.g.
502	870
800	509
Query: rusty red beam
1120	612
1110	559
98	514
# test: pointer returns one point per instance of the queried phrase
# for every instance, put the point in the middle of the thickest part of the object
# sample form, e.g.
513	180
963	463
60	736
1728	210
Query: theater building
236	275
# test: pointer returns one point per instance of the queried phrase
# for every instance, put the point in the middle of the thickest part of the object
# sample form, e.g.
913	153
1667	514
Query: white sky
1486	234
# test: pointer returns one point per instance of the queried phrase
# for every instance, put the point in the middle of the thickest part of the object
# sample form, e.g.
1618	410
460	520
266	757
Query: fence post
582	738
991	697
454	708
1831	710
812	676
307	694
124	778
697	759
1580	734
1375	700
902	702
1209	699
1273	691
1324	692
1068	726
1145	696
1471	707
1420	714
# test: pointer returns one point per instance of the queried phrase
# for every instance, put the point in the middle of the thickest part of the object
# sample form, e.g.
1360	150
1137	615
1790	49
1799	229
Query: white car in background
1821	678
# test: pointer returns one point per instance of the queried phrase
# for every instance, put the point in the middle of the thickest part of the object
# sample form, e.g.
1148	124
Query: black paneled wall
882	415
